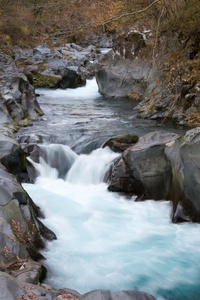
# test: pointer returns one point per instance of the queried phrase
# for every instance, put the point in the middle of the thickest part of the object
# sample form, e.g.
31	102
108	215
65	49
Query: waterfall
90	169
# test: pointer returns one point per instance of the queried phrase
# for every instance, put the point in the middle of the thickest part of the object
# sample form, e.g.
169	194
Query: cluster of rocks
65	67
161	165
164	77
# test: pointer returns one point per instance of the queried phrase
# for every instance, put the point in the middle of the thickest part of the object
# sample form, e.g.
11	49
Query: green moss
126	139
42	80
23	164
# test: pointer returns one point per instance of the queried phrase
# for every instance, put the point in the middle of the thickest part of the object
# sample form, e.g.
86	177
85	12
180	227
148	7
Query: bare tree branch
104	22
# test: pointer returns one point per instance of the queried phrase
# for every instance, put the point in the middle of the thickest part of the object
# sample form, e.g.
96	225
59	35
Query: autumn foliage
29	22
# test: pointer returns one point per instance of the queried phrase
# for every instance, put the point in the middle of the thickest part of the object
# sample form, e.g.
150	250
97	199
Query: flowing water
104	241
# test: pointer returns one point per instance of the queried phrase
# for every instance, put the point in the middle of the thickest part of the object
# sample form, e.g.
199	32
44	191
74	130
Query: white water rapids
105	241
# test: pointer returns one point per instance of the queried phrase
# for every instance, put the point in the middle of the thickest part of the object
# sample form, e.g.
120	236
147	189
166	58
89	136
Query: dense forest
30	22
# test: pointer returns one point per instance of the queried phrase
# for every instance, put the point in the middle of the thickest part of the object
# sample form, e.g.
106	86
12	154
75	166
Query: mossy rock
121	143
42	80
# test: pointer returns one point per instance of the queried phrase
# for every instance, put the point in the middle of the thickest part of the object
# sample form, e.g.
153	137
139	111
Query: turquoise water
108	242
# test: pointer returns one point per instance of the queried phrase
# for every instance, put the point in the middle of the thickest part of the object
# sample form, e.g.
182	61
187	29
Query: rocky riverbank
162	75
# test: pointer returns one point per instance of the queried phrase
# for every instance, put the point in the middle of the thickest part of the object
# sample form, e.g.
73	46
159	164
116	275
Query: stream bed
104	240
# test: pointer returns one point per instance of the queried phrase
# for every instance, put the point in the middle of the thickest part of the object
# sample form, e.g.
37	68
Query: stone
71	79
12	156
30	271
147	168
121	143
162	165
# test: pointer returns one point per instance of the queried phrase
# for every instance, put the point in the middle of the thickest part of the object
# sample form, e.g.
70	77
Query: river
104	241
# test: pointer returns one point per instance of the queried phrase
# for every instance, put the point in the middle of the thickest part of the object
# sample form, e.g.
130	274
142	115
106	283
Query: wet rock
121	179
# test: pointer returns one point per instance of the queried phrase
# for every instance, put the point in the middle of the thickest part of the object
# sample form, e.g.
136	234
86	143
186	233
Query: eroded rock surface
17	95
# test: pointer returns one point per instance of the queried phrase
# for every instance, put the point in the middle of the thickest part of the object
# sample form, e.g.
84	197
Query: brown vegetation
29	22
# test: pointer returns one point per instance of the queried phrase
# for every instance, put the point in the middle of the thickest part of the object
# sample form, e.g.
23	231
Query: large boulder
147	165
184	156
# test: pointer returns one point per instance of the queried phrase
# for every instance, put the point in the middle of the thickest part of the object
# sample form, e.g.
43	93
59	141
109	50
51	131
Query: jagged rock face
17	97
189	165
162	165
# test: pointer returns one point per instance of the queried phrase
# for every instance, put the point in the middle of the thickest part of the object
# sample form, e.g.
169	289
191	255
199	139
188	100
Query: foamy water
108	242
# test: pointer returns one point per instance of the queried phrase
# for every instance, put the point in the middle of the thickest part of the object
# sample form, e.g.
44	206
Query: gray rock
162	165
97	295
12	156
71	79
18	99
146	166
190	164
41	52
50	67
122	295
30	271
131	295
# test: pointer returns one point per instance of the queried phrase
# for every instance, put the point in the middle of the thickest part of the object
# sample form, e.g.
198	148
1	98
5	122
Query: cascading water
106	241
